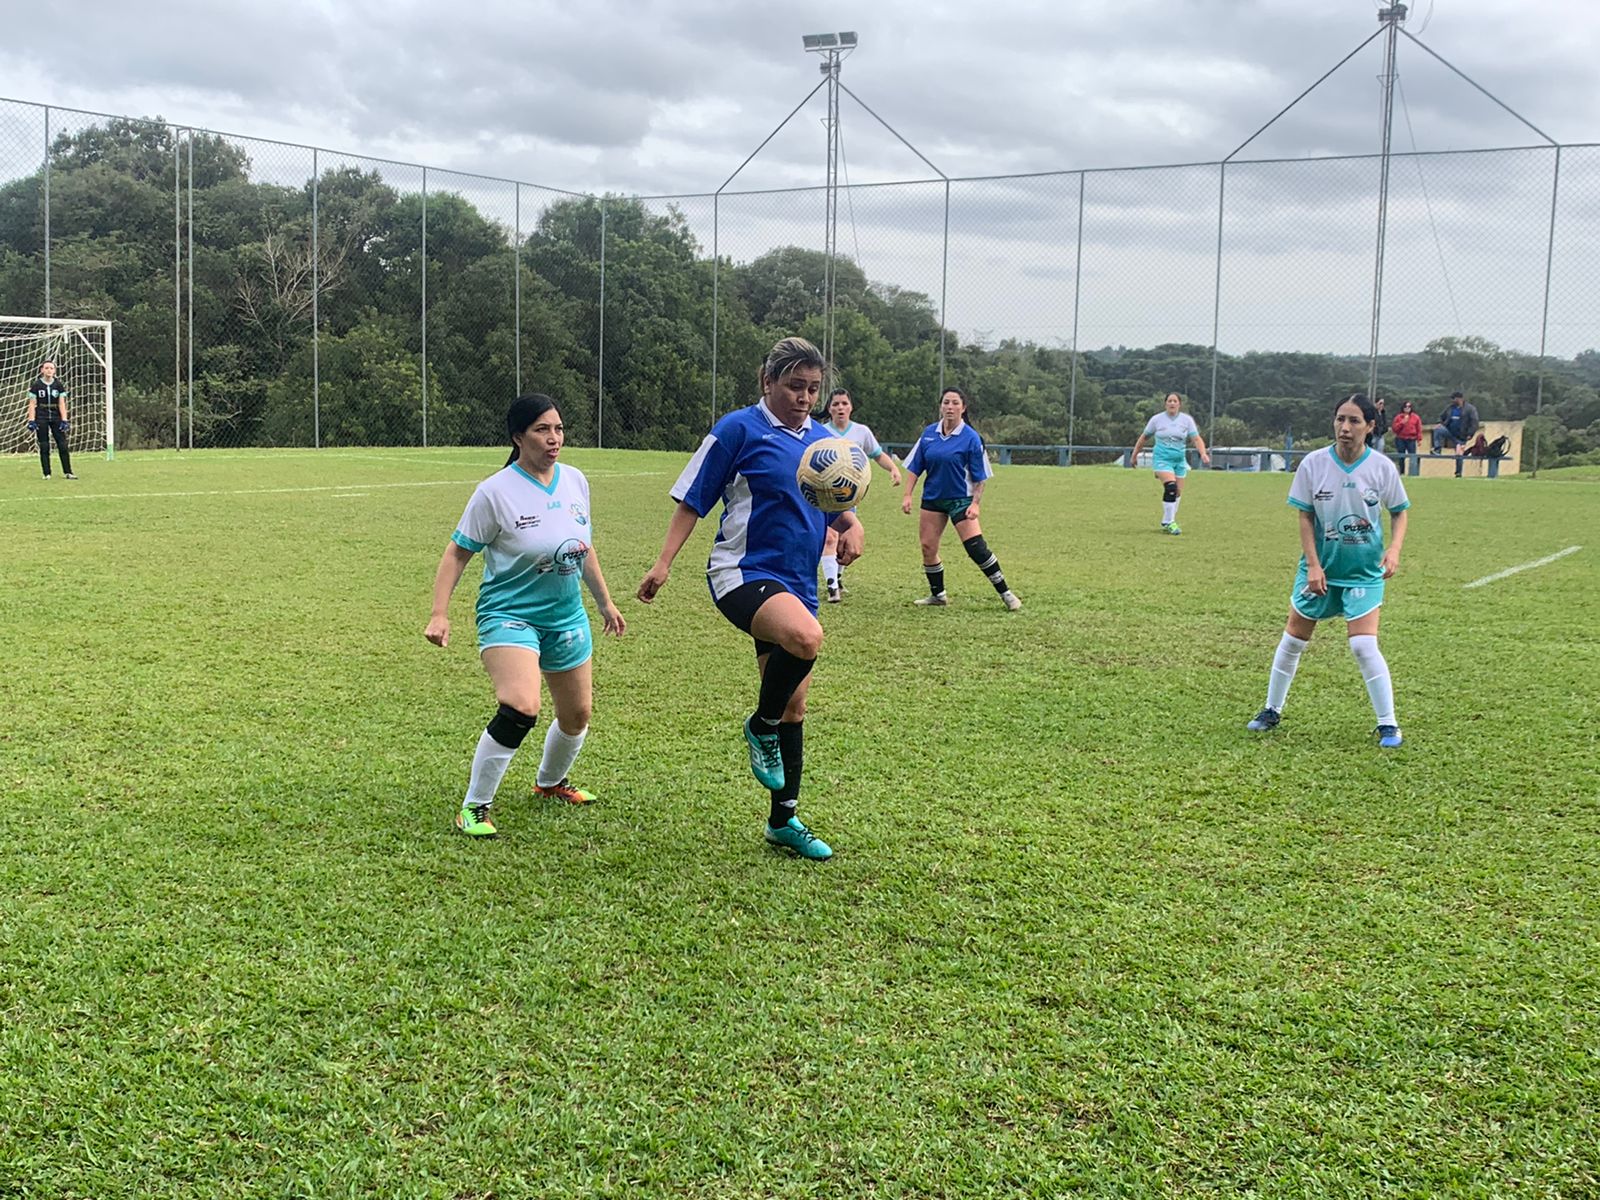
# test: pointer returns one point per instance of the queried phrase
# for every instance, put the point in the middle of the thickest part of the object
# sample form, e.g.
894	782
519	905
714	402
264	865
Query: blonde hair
787	355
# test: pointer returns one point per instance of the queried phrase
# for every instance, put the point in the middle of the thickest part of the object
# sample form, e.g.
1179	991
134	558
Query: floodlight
821	41
847	39
811	40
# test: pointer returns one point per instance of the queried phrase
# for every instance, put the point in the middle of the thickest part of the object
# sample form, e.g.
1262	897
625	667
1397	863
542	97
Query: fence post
1544	321
1077	294
177	295
516	304
316	349
424	307
716	273
944	283
189	374
47	311
1216	301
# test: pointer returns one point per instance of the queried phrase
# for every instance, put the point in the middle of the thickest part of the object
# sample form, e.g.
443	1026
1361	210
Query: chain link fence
266	294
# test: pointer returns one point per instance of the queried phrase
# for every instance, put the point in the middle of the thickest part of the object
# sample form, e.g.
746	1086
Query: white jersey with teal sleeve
1171	436
858	433
1348	503
534	540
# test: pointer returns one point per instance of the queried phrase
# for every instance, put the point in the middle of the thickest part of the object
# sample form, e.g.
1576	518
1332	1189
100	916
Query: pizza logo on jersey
1370	498
1355	531
578	513
527	522
570	555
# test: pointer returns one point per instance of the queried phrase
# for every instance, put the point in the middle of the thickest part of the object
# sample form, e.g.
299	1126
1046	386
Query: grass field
1082	934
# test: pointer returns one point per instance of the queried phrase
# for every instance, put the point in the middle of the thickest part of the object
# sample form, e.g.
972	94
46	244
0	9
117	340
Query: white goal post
81	351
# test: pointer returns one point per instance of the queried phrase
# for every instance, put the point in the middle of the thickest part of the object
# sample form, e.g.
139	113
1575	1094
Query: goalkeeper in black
47	413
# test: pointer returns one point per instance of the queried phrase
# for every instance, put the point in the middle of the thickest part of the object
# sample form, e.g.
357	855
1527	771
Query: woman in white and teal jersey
1341	493
840	406
531	521
1172	429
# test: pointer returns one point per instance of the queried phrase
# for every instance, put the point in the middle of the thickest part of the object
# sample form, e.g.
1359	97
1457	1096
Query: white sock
830	569
488	769
1284	664
1375	673
1169	510
560	752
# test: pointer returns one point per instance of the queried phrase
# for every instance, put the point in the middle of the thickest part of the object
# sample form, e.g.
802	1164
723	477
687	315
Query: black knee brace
509	726
1169	490
978	550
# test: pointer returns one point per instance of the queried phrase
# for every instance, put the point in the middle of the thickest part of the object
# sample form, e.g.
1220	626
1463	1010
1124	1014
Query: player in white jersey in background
840	406
1172	430
1341	492
531	521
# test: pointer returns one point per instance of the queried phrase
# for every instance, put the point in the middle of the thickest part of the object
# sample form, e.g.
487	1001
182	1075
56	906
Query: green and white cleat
1173	529
473	820
766	758
793	835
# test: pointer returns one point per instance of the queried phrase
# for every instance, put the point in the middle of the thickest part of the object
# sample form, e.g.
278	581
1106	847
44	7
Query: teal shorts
558	649
1178	464
1347	602
955	509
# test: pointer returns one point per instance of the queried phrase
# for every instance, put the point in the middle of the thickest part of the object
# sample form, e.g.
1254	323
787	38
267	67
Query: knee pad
1169	490
977	550
510	726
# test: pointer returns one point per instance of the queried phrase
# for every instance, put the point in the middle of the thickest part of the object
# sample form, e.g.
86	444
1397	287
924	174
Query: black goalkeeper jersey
47	398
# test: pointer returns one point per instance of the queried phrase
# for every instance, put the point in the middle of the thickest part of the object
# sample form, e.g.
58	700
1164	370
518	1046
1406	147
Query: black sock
996	576
792	742
784	673
935	576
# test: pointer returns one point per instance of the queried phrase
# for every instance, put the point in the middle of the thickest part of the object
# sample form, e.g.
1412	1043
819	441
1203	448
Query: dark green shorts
955	509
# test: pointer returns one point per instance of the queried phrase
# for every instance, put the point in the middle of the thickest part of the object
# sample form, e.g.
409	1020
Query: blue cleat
1264	720
1389	736
766	759
793	835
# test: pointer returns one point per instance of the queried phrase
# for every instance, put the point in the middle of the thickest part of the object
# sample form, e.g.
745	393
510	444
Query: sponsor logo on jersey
1355	531
526	522
552	504
1370	498
1323	495
578	513
569	556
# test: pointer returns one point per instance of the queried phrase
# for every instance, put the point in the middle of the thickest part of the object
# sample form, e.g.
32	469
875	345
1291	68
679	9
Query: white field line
1527	566
336	487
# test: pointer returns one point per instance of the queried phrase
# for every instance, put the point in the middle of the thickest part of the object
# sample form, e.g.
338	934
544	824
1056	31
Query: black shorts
955	509
740	606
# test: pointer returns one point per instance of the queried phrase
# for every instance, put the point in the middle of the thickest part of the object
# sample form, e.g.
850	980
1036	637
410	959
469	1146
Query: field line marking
332	487
1527	566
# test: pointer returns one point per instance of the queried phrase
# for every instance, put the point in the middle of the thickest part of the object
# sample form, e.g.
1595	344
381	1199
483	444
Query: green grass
1082	933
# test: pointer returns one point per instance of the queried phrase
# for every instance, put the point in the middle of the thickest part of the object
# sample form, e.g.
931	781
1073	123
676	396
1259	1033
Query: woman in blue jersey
840	406
951	454
531	521
1172	430
1340	493
763	565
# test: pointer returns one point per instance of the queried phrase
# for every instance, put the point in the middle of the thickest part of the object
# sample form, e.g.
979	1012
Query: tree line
255	255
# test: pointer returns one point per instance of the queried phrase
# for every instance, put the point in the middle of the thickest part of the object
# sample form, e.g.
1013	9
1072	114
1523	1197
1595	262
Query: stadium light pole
832	47
1391	19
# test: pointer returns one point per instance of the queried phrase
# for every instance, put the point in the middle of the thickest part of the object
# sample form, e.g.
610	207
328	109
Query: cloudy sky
668	97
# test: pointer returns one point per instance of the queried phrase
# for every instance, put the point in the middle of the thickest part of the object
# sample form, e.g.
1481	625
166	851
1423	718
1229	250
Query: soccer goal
81	351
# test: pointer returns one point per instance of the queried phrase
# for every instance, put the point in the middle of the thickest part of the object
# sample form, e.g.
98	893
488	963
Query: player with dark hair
763	565
47	414
951	454
1341	492
840	407
1172	430
531	521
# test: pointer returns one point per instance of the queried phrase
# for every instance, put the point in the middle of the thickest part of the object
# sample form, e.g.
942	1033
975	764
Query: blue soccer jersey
748	463
951	463
1348	503
534	540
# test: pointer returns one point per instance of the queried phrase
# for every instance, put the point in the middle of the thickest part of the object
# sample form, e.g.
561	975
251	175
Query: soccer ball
833	474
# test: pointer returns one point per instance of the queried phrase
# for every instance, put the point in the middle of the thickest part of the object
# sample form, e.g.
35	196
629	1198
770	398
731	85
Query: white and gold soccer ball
833	474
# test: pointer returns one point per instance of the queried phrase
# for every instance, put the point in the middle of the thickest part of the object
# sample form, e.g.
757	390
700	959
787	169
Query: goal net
81	351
